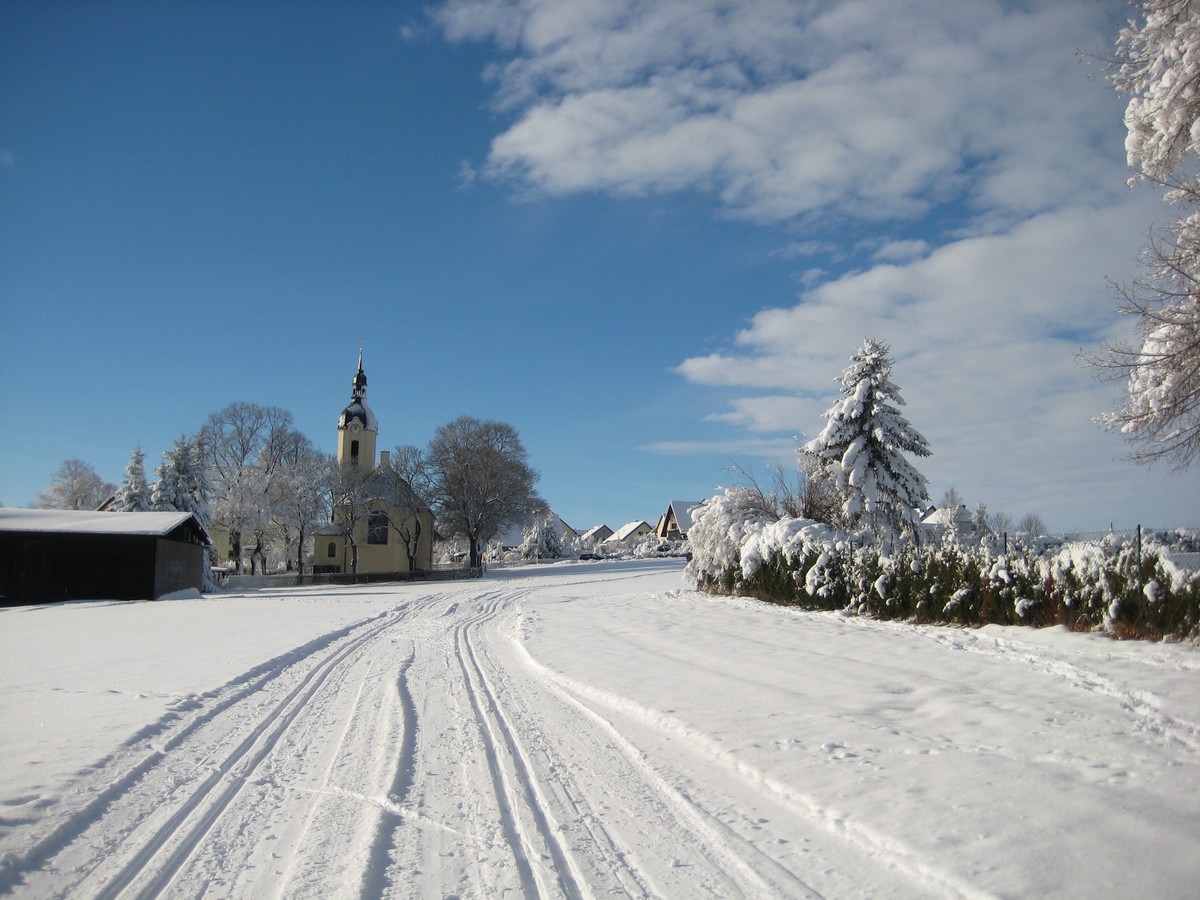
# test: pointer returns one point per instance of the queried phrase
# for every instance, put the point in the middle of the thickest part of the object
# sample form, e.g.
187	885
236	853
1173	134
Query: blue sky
649	236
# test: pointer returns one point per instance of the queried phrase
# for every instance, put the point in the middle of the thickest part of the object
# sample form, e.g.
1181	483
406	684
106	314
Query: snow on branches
1158	64
864	442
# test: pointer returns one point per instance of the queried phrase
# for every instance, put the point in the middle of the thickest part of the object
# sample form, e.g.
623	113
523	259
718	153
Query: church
379	525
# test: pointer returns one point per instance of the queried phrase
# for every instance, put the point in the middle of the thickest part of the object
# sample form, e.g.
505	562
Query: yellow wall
389	557
366	445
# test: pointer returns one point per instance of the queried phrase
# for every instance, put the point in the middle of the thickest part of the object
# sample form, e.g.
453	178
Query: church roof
358	408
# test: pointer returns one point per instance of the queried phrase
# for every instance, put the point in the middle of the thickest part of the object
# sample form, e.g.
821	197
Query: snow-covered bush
1112	587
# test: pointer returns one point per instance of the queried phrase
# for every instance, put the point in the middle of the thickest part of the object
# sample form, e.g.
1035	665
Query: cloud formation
783	109
966	141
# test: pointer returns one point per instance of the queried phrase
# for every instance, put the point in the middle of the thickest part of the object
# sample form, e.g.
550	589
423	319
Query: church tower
357	428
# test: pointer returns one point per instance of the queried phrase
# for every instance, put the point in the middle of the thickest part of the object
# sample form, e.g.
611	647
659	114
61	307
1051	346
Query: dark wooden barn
50	554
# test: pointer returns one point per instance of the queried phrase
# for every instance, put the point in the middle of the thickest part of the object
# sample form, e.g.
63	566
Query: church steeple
357	427
360	381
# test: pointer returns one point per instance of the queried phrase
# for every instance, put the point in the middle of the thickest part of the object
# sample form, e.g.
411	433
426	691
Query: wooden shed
48	555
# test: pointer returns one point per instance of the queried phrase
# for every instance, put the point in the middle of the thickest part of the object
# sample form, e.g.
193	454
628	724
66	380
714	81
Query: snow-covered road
582	730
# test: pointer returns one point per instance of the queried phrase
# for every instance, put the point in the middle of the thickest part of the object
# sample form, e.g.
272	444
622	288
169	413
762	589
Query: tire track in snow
512	777
740	867
118	774
403	777
216	792
725	841
102	835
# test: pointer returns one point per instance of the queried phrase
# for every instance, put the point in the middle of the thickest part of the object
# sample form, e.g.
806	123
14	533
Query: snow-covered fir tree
1158	66
134	493
183	486
864	445
182	482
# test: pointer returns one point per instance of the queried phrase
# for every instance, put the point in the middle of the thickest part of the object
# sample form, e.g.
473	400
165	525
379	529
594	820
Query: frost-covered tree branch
1158	64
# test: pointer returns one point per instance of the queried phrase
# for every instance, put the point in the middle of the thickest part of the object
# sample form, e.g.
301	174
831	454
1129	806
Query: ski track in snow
428	751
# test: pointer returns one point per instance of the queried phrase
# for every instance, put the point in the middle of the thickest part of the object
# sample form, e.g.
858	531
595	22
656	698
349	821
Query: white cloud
783	109
901	251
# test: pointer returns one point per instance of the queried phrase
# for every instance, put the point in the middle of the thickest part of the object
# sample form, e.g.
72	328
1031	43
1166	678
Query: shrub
1112	587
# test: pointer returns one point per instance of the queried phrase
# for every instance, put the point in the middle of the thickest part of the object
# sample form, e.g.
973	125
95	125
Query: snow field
581	730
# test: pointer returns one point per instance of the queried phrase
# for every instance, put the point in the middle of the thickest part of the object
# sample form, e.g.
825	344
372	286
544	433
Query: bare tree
75	486
1000	522
1032	525
481	480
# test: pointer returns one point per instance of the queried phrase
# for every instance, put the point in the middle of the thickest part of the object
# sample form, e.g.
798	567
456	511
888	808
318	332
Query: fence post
1139	558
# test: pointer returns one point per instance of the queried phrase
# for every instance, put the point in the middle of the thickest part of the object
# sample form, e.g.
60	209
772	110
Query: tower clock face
355	428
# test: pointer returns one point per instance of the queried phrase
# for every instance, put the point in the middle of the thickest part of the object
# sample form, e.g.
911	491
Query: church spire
359	393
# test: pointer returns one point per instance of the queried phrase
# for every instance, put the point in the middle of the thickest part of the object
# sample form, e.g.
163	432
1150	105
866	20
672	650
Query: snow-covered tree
979	515
244	446
865	442
182	483
300	497
134	493
1158	65
183	486
75	486
542	539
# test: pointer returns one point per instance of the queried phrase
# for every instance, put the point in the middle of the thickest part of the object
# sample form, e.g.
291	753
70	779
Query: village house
676	522
595	536
626	537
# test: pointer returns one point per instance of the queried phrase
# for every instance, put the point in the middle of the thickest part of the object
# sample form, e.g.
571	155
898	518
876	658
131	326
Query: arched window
332	549
377	527
354	451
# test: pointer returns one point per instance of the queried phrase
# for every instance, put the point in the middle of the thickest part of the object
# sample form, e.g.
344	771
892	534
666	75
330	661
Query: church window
332	552
377	528
354	451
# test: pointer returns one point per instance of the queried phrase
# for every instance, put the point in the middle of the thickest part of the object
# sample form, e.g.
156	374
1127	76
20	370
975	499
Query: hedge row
1117	589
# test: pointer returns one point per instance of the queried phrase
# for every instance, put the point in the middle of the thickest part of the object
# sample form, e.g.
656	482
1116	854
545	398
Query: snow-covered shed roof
91	522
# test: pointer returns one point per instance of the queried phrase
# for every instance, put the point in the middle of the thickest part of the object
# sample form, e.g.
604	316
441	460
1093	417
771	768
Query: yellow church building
379	524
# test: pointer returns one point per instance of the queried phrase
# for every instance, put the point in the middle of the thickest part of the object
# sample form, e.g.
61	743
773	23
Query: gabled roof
595	531
682	510
93	522
626	530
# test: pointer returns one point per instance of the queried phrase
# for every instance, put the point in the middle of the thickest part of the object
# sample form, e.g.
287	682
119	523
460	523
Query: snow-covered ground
584	730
